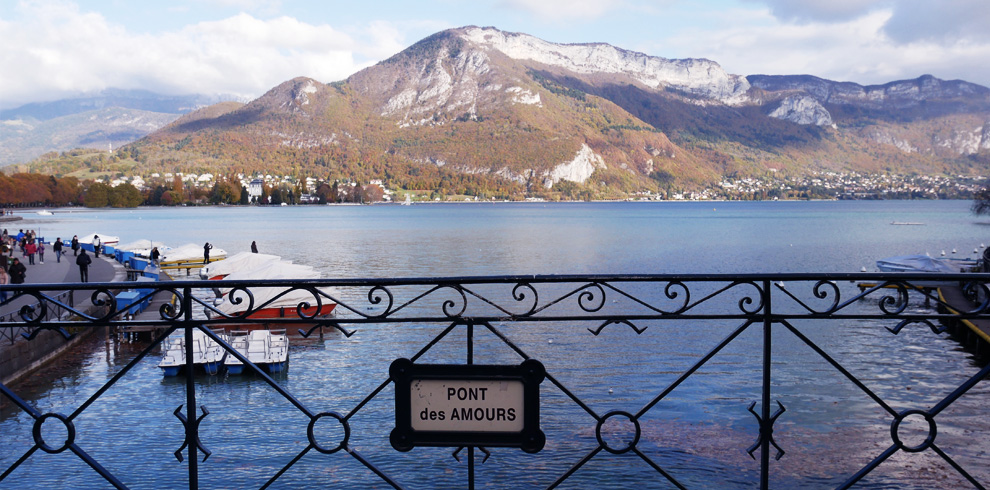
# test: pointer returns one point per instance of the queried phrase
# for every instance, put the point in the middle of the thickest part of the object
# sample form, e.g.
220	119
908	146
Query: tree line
38	190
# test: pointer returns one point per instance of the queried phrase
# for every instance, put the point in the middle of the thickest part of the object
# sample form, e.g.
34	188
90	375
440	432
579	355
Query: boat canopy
917	263
190	252
242	261
104	239
262	295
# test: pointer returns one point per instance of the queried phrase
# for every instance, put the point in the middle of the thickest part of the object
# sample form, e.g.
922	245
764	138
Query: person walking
155	257
206	253
83	262
4	280
41	251
75	245
254	247
17	271
30	249
57	247
96	245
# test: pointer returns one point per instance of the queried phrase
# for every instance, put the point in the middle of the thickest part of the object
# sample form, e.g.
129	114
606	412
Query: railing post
192	426
766	431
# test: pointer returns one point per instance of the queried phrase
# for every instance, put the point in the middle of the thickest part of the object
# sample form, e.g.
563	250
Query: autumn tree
97	195
981	200
124	196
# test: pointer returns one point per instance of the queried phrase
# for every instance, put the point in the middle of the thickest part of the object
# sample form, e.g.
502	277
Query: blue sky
58	48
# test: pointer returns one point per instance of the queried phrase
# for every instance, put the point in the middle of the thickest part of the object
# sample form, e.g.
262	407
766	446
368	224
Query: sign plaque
467	405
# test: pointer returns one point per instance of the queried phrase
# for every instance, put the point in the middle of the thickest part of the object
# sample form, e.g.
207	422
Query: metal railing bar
701	362
261	372
20	460
577	466
958	468
657	467
23	405
869	467
960	391
83	455
116	377
838	367
288	465
373	468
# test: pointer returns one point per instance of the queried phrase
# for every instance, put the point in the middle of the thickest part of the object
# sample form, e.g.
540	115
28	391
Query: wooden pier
974	333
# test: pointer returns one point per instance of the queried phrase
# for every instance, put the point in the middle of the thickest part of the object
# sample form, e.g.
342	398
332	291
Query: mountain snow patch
578	170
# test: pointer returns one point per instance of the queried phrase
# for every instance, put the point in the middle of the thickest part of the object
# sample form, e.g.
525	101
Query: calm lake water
699	434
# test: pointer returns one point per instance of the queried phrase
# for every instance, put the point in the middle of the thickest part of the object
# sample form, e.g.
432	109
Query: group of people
14	271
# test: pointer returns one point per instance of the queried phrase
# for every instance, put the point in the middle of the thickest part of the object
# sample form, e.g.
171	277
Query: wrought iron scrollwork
185	424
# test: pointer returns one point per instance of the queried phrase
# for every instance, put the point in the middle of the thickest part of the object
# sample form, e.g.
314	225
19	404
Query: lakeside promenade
13	347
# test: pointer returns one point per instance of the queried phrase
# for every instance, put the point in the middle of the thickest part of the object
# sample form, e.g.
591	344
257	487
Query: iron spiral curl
979	293
585	297
672	294
519	296
899	303
375	298
449	305
748	300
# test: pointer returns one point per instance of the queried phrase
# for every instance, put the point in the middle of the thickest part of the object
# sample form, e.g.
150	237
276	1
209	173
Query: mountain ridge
478	110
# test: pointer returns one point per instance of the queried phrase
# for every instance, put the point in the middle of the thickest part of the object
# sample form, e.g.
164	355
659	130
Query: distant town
274	189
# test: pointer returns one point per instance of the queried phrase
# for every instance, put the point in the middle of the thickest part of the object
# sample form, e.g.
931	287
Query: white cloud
53	49
751	42
566	9
942	21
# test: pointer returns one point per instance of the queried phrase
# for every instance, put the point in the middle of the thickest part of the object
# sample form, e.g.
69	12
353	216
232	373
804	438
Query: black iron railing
59	308
658	339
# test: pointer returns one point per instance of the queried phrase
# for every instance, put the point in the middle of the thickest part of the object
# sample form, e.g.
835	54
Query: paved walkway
103	269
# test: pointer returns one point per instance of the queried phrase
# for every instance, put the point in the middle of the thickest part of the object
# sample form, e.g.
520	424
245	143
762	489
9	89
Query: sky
53	49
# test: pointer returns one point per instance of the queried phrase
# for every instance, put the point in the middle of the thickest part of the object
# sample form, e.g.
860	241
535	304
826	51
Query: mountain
486	112
113	117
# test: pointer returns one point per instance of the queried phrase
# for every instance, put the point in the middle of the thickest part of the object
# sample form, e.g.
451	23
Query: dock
974	333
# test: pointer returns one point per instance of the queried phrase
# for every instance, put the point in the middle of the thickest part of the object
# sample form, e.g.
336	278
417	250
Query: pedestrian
155	256
57	247
4	280
254	247
17	271
96	245
75	245
41	251
83	262
206	253
29	250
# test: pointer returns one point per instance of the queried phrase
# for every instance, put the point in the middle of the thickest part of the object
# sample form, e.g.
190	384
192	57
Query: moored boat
189	253
105	240
924	263
235	263
271	302
267	349
207	354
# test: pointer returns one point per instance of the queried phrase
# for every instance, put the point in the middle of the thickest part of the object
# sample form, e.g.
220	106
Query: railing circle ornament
631	442
39	439
344	426
895	430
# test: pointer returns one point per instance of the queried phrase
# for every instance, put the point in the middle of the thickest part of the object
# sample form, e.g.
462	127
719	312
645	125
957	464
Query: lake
701	431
